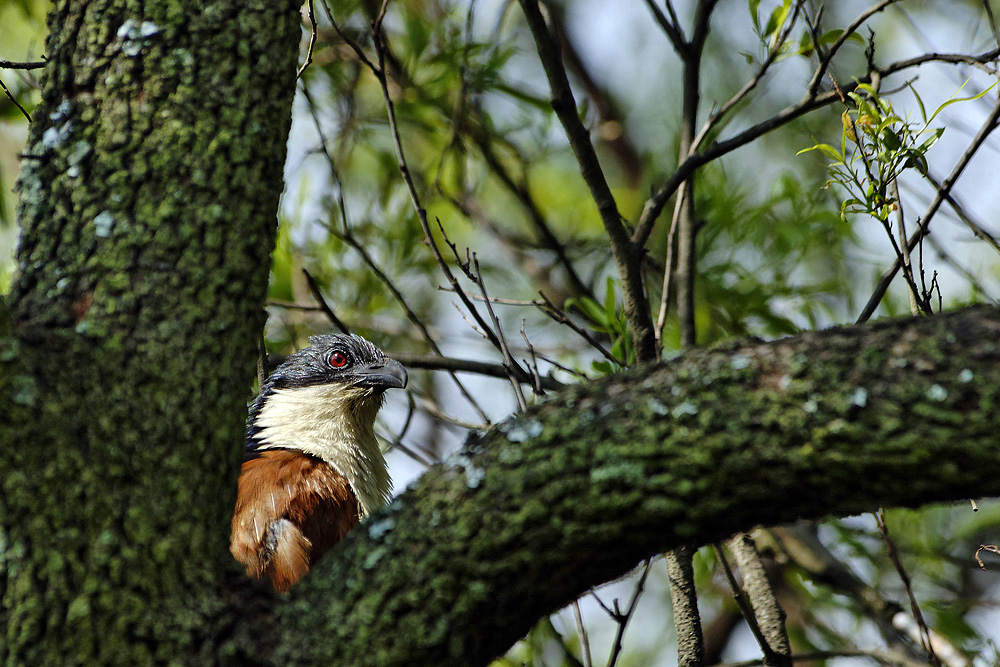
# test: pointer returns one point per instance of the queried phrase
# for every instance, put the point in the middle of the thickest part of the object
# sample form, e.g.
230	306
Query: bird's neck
334	423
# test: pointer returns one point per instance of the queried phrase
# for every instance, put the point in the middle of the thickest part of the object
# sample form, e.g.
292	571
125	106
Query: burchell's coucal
313	467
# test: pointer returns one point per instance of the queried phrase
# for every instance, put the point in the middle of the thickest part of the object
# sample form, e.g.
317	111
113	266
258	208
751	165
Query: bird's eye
338	360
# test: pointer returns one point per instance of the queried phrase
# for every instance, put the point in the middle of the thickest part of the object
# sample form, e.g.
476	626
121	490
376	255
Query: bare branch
629	268
890	547
824	63
323	305
312	39
669	26
585	641
509	364
31	64
13	99
622	618
559	316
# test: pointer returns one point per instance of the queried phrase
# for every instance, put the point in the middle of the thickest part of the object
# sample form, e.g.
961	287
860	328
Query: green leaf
954	100
777	19
754	6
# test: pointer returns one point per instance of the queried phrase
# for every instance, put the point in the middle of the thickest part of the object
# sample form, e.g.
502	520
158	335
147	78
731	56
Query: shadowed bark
148	195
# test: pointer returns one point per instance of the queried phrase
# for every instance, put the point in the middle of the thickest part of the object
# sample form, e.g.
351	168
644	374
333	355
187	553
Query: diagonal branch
654	205
579	488
626	258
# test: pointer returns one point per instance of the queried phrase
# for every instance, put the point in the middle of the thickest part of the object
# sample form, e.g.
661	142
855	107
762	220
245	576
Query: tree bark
579	489
148	197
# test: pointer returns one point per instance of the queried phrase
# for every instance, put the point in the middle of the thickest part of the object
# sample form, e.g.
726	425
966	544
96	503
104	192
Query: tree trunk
148	197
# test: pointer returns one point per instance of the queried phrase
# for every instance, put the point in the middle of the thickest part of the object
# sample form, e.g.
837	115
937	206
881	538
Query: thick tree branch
580	488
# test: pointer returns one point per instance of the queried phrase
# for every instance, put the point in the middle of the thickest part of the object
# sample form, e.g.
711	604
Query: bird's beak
390	374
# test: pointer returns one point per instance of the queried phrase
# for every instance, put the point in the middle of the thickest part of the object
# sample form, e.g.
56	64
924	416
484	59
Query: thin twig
429	406
426	458
535	376
670	255
559	316
508	358
30	64
670	27
992	21
916	301
499	300
312	39
890	547
622	618
14	100
324	306
581	630
439	363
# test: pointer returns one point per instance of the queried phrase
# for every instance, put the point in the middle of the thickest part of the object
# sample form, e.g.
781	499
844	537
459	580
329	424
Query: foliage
882	146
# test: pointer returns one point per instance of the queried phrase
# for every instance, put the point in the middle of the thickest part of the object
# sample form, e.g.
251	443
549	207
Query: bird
312	468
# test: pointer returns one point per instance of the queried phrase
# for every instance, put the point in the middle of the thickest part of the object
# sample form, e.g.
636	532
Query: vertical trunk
148	197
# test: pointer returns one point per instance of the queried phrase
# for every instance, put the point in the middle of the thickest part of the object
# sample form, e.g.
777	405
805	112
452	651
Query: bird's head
339	359
324	397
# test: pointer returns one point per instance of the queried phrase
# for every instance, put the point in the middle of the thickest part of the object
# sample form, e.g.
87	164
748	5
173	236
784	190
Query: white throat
334	423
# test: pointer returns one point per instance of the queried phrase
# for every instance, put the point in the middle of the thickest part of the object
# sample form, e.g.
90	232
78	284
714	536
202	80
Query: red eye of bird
338	360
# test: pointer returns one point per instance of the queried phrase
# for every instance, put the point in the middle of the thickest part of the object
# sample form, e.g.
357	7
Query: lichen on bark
614	471
148	197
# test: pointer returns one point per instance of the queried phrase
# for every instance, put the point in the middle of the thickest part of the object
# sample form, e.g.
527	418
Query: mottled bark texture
580	488
148	197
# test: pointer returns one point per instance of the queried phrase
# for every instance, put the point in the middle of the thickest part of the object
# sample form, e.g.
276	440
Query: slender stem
581	630
622	618
509	363
890	547
911	286
312	39
626	257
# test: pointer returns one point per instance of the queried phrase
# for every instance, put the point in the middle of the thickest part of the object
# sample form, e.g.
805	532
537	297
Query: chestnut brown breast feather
313	467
